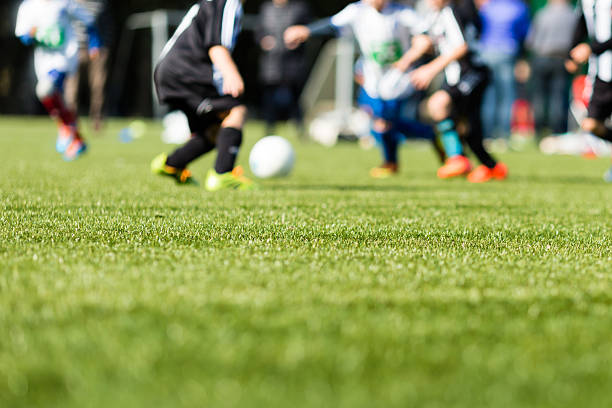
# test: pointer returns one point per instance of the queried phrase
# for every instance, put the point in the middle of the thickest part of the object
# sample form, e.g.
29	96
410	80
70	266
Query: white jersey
52	20
379	35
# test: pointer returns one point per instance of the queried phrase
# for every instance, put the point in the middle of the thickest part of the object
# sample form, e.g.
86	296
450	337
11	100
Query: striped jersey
452	27
598	18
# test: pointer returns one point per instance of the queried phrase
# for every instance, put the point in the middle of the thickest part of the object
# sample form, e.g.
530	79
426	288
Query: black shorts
201	103
600	106
468	92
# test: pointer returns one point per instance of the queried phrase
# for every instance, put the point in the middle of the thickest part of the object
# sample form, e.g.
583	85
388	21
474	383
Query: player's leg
490	168
599	110
97	82
383	131
439	107
49	91
204	130
225	175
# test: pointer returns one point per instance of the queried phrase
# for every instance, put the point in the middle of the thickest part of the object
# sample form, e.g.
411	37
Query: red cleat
454	167
482	173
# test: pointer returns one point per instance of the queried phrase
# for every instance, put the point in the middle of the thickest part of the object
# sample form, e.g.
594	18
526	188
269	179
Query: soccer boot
181	176
454	167
482	173
75	149
65	135
233	180
383	171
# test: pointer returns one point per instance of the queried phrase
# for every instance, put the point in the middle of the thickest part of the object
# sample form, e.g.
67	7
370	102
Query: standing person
505	24
197	75
550	39
95	70
377	25
47	24
451	28
281	70
595	26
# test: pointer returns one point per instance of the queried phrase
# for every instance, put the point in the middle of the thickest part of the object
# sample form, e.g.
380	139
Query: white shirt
379	37
52	19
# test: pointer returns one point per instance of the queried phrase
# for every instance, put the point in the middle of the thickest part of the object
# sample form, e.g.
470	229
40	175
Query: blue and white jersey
379	35
48	24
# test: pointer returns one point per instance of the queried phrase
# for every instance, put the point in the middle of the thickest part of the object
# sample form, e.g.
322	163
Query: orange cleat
482	173
454	167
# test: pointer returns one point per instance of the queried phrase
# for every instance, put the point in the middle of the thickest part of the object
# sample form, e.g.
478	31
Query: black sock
608	134
194	148
228	144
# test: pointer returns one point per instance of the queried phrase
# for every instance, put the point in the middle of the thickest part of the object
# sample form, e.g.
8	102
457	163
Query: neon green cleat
233	180
182	176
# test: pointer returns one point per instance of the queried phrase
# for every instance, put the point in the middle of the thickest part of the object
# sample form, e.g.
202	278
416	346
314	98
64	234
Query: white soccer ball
272	156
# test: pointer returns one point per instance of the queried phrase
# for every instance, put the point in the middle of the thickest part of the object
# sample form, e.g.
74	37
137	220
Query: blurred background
130	50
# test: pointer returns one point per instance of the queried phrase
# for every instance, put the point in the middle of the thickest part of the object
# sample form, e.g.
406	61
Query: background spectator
281	70
550	39
505	24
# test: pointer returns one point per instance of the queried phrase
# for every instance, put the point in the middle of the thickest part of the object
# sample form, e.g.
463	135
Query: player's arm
422	76
78	12
232	80
580	50
24	29
296	35
421	44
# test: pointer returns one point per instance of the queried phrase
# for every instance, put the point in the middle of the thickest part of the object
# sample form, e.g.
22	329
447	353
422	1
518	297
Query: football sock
228	144
389	143
413	128
474	140
56	107
450	138
194	148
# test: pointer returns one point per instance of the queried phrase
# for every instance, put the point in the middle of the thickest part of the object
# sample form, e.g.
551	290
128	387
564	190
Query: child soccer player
596	23
449	29
377	26
197	75
48	25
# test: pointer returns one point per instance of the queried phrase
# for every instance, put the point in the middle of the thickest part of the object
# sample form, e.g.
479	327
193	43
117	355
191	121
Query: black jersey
184	59
450	28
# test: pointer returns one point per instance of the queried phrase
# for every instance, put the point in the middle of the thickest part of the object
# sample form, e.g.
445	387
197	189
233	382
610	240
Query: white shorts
64	61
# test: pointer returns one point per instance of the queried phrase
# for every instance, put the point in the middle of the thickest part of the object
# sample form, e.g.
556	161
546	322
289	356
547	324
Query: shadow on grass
358	188
575	179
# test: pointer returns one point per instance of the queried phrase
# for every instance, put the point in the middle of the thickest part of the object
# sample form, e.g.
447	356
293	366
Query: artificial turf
325	289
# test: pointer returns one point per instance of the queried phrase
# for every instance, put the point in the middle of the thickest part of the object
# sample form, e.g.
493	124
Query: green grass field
325	289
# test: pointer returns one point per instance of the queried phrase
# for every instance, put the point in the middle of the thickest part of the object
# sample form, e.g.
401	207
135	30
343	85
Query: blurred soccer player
450	29
377	26
47	24
96	70
596	24
197	75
